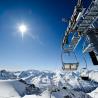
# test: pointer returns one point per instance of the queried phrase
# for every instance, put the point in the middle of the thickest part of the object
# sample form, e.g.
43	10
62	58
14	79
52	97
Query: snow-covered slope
47	79
11	89
93	75
44	79
60	94
94	94
70	94
16	89
45	94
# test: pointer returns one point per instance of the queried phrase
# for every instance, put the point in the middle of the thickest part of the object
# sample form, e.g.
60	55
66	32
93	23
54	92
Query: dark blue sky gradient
41	46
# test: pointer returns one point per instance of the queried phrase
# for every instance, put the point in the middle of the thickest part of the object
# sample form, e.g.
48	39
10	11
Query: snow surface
93	75
16	89
45	94
60	94
11	87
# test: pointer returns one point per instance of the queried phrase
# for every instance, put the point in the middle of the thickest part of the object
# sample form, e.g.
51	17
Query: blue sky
41	46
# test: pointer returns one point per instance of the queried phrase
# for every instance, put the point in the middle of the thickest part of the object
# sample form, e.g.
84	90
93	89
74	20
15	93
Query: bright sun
22	29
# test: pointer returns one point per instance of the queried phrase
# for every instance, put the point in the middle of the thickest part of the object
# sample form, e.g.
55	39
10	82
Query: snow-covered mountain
40	81
4	75
46	79
71	80
17	89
